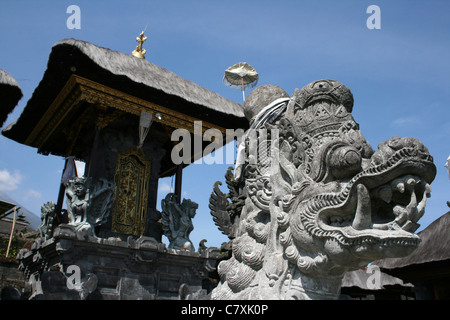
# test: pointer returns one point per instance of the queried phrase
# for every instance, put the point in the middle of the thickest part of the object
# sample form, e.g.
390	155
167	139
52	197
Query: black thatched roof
10	94
128	74
434	247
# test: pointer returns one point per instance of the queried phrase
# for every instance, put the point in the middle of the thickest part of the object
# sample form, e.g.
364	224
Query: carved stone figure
47	220
226	214
177	222
318	200
88	204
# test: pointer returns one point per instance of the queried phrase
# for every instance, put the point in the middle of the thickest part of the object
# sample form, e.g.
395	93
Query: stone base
75	266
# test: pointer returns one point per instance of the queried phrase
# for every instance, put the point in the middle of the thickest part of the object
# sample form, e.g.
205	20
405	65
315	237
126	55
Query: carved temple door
131	181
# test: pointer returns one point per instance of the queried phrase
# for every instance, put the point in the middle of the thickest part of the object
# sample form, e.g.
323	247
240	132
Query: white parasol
241	76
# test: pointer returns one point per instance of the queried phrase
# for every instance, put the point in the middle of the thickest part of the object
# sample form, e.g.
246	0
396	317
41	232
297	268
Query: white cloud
32	194
9	181
406	121
164	187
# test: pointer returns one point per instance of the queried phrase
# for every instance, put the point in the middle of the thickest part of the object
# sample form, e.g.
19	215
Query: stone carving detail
321	202
176	222
88	204
226	214
47	220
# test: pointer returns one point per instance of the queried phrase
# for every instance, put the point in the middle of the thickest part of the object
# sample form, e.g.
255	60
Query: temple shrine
116	112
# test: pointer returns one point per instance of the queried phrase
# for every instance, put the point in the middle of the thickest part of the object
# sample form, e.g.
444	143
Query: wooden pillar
178	178
62	190
94	155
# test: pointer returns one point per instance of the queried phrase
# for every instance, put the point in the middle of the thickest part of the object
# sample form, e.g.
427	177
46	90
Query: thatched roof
32	218
5	207
128	74
434	247
10	94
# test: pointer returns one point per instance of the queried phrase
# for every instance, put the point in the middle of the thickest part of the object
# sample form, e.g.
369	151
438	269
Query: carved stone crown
330	90
323	107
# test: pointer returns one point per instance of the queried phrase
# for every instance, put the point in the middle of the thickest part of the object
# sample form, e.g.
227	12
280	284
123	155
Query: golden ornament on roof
139	51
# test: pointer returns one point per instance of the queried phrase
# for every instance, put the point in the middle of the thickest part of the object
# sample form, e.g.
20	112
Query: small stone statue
88	205
47	220
177	222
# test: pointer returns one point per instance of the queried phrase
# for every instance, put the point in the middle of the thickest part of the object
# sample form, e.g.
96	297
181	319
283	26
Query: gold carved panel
131	192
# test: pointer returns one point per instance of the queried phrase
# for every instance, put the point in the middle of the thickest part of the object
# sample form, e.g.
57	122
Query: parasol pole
243	89
12	232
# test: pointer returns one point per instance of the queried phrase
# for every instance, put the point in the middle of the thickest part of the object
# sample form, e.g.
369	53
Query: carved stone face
354	205
190	207
79	189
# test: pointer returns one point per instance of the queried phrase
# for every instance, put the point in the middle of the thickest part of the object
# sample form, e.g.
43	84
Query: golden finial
139	51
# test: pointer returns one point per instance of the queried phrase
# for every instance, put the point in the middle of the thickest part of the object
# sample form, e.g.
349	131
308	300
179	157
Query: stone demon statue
176	220
311	199
47	220
88	204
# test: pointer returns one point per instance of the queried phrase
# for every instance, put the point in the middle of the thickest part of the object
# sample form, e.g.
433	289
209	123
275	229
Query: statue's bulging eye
344	161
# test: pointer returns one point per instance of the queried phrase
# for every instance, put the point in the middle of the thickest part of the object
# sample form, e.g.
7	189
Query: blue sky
398	74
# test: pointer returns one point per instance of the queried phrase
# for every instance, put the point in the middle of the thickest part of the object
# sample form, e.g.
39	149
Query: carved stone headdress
321	106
